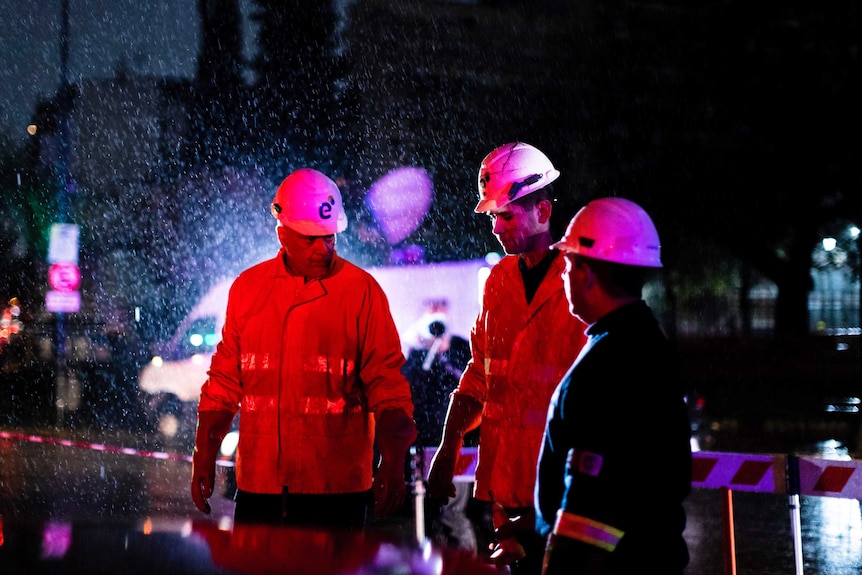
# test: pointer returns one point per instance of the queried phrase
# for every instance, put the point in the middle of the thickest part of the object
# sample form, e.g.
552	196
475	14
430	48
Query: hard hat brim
488	204
311	228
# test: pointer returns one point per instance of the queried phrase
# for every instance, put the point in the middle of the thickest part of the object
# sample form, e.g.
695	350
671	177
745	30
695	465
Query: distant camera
436	328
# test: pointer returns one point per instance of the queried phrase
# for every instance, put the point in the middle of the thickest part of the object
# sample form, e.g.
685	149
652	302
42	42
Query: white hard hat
512	171
614	230
309	203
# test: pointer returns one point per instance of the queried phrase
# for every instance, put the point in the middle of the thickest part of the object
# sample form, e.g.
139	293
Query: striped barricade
830	478
765	473
466	470
769	473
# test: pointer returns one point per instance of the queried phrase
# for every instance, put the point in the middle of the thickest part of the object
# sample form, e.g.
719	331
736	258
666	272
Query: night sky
156	37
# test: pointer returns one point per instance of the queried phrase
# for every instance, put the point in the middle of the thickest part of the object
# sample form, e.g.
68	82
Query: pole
729	536
793	506
61	380
417	465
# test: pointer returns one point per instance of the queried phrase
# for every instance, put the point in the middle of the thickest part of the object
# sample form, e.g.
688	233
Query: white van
172	380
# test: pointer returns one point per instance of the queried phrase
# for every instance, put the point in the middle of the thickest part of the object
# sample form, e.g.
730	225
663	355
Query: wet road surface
50	482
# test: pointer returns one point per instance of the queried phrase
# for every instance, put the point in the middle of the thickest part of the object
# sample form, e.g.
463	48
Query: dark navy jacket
616	451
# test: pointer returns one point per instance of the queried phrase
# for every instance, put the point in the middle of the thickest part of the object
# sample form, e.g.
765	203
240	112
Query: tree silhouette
298	94
735	126
218	110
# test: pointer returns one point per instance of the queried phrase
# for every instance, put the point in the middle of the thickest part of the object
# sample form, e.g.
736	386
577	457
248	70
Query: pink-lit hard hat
614	230
512	171
309	203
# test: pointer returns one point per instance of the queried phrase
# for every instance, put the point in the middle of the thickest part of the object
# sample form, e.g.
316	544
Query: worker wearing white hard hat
614	230
510	172
311	356
309	203
608	505
518	356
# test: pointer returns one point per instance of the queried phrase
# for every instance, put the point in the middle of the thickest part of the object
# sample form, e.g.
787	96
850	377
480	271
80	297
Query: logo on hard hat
325	209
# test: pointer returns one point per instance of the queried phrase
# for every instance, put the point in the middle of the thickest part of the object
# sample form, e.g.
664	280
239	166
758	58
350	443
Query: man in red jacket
522	343
311	358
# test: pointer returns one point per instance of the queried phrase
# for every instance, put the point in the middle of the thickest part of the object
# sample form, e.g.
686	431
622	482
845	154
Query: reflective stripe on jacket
520	353
309	363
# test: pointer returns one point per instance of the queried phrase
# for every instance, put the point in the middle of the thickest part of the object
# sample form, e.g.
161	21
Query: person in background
522	343
607	505
311	355
435	362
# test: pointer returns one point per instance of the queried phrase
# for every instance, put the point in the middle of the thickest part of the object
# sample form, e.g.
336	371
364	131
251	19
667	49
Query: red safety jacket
520	353
308	364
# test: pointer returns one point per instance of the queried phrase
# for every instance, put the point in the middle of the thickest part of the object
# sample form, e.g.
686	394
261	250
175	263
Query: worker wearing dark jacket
615	464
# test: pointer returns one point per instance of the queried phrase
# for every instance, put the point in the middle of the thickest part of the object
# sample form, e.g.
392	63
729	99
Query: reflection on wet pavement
55	497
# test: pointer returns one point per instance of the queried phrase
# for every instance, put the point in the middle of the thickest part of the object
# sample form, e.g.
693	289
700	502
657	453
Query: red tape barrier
93	446
762	473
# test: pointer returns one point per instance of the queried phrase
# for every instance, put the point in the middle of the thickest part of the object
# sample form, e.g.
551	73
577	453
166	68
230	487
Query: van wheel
176	422
168	425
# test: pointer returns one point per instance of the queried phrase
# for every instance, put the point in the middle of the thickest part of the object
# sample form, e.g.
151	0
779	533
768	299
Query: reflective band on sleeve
257	362
323	406
259	403
324	364
586	530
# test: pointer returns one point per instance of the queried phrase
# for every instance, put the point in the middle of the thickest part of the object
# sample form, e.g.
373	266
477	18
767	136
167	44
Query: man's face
515	226
309	256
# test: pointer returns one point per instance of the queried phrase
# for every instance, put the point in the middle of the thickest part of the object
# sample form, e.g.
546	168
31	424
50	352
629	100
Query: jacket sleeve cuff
591	532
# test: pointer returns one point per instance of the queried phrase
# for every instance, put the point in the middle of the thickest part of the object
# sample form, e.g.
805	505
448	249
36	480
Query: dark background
736	125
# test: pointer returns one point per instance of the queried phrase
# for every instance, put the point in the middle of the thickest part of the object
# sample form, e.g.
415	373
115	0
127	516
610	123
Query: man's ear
283	238
544	208
583	268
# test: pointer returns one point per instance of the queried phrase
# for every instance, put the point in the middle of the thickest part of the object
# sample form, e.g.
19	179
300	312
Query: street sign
63	301
63	243
64	276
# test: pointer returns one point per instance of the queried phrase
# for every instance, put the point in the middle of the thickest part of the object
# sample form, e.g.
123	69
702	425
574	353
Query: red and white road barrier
767	473
787	474
739	471
830	478
466	470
